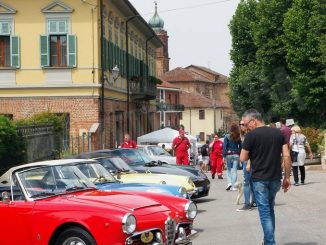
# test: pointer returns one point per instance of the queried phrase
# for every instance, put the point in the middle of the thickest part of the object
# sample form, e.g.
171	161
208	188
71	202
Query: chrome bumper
183	239
190	193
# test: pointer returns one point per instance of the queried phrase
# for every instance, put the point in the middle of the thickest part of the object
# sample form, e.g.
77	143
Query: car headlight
183	192
128	223
191	210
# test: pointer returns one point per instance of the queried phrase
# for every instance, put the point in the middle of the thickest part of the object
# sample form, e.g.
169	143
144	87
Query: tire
75	236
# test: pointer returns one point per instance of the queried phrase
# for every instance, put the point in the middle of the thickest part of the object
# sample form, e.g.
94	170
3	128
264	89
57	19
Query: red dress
181	146
216	158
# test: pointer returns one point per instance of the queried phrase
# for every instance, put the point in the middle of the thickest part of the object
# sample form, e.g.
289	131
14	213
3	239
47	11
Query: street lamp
115	72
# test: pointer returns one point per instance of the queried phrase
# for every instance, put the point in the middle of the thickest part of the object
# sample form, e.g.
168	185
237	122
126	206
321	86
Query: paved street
300	216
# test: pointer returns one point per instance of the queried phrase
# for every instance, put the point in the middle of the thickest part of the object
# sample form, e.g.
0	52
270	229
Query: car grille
170	227
200	183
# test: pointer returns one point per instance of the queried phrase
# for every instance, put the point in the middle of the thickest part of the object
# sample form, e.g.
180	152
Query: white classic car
157	153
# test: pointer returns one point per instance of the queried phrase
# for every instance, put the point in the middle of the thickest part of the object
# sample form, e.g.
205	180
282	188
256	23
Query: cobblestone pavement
300	215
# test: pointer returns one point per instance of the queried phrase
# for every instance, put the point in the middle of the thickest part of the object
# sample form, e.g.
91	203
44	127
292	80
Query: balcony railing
141	89
161	106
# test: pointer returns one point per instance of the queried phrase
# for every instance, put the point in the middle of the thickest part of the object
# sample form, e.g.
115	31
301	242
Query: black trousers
296	175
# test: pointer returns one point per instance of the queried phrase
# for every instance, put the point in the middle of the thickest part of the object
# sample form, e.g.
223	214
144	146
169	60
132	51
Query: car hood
114	199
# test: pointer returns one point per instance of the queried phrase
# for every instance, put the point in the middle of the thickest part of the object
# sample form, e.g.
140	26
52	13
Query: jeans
247	186
232	168
265	192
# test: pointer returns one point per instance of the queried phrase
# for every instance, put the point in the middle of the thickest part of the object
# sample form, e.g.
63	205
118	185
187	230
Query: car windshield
96	173
133	157
115	164
158	151
53	180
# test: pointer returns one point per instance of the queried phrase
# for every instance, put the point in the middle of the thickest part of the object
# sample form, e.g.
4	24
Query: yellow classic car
169	179
124	173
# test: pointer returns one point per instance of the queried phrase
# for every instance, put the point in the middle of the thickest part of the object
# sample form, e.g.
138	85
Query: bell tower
162	54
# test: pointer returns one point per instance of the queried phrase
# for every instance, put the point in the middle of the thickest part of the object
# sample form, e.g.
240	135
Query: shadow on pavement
200	211
301	243
204	200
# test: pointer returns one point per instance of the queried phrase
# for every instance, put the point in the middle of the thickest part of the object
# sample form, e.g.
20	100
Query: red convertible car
50	203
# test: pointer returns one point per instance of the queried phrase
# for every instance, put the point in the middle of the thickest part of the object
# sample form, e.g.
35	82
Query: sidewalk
300	215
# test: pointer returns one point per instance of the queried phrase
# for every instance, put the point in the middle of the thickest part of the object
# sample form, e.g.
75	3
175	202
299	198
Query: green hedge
12	145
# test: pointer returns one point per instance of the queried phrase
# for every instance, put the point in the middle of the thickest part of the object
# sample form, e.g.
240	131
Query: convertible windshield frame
35	187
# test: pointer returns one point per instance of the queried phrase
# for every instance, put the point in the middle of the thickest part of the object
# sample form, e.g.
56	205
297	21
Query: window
181	115
4	51
58	48
162	94
9	46
201	114
202	136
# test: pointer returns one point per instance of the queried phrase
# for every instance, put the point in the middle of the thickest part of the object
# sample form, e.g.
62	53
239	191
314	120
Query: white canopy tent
165	135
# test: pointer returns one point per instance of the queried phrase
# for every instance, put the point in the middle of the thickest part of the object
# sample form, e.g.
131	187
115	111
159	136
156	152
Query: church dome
156	22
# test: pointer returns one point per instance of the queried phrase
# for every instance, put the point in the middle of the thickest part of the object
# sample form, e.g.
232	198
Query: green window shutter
110	55
72	50
15	51
45	56
107	55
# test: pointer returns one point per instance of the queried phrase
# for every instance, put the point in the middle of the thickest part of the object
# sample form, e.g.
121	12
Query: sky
197	35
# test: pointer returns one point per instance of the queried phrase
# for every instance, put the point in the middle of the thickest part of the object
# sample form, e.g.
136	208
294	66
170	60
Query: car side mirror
5	197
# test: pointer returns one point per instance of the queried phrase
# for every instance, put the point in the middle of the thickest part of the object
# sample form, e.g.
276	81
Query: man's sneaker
228	187
296	184
244	208
220	176
253	205
213	176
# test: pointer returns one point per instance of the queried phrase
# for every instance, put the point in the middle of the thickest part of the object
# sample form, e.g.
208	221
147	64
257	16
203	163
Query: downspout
146	78
127	76
102	75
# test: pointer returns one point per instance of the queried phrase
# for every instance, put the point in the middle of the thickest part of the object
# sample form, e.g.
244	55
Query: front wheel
75	236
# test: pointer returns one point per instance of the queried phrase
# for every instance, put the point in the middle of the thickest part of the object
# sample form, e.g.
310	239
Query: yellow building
60	56
202	116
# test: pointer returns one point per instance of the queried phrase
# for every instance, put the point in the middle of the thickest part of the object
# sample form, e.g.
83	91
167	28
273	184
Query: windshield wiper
43	194
75	188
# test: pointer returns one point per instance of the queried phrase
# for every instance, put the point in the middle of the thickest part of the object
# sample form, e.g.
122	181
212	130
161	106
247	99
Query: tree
305	44
270	56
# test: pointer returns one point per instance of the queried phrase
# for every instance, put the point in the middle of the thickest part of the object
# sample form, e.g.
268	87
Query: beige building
202	116
205	97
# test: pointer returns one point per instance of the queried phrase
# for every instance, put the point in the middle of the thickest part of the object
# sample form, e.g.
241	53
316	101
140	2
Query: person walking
248	192
128	142
216	148
298	143
204	156
181	145
231	152
263	146
285	130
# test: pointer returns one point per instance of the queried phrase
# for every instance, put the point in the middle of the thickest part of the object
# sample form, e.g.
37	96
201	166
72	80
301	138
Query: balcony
141	89
161	106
